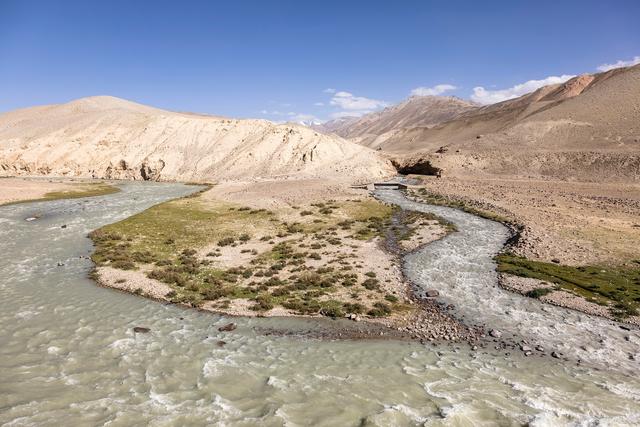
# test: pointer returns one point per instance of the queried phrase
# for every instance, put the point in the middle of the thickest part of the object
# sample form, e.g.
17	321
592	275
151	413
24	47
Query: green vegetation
168	228
180	243
539	292
79	190
617	287
439	200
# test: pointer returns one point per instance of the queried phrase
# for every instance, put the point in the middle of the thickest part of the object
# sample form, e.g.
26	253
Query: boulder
431	293
495	333
141	330
227	328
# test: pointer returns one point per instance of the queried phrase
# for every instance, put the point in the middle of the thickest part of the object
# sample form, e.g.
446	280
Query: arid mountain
107	137
587	128
424	111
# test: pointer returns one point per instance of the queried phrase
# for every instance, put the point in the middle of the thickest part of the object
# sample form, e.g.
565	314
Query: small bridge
389	186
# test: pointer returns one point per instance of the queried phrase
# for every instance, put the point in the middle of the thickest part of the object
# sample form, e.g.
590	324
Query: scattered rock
220	343
525	348
141	330
528	353
63	226
60	263
539	348
431	293
625	328
555	355
31	218
495	333
555	261
227	328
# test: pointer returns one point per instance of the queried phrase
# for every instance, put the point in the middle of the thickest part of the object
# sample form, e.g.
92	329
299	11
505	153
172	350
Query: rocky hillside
107	137
587	128
417	111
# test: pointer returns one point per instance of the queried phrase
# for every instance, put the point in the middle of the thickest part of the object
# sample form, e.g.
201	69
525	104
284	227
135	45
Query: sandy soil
574	222
19	189
279	194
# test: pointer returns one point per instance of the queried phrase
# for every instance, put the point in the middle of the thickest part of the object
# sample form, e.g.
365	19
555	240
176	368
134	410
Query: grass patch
618	287
439	200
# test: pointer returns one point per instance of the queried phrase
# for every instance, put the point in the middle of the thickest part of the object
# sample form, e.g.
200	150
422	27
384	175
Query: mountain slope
593	112
415	111
107	137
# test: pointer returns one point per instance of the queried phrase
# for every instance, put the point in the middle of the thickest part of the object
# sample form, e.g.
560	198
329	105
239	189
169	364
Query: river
68	355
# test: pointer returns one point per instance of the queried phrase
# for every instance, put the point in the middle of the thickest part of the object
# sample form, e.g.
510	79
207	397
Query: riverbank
279	248
595	270
22	190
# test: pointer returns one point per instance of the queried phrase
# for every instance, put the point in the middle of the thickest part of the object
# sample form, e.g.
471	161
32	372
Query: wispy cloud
329	90
319	104
433	91
619	64
485	96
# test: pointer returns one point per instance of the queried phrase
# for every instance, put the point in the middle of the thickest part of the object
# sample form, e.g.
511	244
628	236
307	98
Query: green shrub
379	310
539	292
331	308
226	241
123	265
371	284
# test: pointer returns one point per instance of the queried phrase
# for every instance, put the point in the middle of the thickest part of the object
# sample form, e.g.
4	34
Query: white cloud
484	96
350	102
619	64
329	90
319	104
432	91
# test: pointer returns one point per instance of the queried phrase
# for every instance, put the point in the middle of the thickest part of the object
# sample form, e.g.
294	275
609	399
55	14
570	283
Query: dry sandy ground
574	222
19	189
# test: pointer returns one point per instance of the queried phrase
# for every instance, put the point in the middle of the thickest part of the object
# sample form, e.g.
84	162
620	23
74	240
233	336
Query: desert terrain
111	138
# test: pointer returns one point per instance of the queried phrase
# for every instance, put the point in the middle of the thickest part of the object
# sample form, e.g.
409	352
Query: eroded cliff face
145	171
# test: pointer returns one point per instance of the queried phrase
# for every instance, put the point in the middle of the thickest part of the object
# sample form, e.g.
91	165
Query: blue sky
290	60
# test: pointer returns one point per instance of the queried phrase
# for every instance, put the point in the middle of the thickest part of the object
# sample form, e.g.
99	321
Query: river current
68	355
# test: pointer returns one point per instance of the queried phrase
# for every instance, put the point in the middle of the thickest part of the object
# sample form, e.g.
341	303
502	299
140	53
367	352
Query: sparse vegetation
618	287
307	267
439	200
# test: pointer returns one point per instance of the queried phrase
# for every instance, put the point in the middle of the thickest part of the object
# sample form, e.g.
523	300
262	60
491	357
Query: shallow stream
68	355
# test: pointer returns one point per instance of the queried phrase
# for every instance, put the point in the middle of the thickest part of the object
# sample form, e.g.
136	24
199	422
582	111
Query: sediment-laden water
68	355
